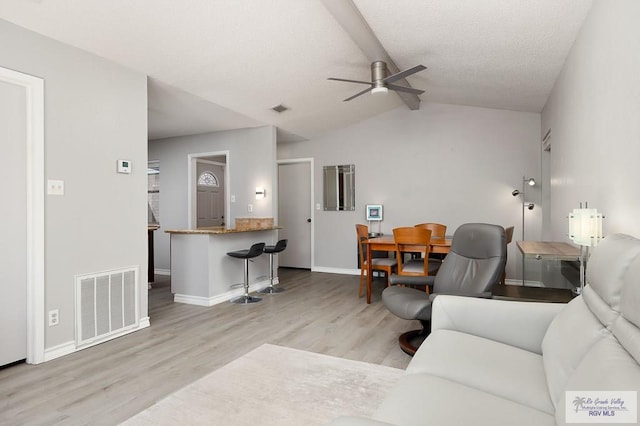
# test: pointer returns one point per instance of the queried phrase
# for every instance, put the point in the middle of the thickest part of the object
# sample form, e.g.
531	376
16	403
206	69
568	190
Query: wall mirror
339	187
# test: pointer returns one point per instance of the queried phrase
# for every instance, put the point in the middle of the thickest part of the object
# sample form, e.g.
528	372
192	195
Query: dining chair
438	231
412	239
384	264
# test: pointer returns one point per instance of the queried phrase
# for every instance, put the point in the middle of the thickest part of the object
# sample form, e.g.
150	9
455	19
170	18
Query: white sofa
493	362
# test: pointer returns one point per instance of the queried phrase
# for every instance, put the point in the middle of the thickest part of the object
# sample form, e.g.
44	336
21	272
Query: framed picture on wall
374	211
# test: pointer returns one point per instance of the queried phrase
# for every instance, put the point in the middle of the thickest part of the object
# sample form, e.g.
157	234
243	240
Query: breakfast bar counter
202	273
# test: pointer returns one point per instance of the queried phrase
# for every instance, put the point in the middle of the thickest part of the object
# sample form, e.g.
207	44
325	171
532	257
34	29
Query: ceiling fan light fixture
377	91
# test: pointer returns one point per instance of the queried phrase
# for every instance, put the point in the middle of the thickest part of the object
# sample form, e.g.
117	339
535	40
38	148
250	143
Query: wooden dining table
387	243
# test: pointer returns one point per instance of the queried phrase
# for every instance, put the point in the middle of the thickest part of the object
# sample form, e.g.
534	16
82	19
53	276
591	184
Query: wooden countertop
549	250
214	230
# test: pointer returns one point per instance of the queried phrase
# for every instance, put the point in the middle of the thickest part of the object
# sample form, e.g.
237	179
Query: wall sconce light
260	193
585	229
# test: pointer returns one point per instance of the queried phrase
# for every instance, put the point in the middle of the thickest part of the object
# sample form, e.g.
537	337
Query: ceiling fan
381	83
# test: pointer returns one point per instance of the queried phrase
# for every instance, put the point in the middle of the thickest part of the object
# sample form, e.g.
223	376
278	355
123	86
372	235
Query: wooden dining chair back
438	230
384	264
412	239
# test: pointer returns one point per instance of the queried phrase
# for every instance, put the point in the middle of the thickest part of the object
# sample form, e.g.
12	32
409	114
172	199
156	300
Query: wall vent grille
106	304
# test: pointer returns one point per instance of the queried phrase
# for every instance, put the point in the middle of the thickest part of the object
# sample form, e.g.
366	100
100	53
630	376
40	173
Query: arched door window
207	179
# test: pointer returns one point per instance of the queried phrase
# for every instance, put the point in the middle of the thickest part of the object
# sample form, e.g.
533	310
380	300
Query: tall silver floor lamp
525	206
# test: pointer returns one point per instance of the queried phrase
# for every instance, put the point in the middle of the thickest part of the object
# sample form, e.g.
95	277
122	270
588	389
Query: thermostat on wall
124	166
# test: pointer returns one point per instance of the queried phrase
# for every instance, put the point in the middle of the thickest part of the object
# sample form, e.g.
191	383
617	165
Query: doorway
295	212
13	224
209	193
208	189
22	112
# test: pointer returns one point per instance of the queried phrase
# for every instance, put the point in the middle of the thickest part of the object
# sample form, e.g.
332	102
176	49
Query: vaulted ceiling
221	64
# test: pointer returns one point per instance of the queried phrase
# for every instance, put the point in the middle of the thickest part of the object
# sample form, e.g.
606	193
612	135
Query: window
153	192
207	179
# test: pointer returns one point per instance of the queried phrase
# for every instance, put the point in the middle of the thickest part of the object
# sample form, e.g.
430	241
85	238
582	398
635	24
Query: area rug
274	385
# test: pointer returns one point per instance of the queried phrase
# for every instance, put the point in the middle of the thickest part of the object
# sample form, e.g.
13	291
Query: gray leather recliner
474	265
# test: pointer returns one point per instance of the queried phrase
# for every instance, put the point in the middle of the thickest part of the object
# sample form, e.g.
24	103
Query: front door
294	214
210	194
13	223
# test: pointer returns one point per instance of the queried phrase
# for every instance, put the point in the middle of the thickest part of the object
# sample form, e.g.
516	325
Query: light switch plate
55	187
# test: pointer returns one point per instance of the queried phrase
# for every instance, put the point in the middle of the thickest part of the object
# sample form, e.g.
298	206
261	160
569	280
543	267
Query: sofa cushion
608	265
627	327
607	367
423	399
572	333
502	370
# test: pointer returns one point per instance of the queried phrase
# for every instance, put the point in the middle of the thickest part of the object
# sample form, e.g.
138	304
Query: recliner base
411	340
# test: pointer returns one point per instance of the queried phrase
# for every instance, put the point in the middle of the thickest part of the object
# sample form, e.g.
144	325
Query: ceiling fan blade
404	89
402	74
367	90
349	81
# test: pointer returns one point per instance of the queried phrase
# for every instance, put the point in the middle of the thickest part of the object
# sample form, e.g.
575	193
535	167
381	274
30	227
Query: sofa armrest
519	324
357	421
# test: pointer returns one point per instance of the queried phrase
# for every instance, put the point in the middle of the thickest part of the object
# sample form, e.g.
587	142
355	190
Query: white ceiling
221	64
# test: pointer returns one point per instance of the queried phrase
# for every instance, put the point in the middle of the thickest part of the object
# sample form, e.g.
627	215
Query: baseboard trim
70	347
220	298
343	271
162	271
59	350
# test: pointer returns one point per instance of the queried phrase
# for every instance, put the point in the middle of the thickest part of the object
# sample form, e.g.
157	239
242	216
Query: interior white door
13	223
294	214
210	194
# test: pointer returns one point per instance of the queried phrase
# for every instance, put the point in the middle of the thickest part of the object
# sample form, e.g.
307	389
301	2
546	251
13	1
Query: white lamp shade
585	227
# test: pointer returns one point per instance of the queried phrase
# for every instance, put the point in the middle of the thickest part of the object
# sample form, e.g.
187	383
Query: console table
532	294
550	251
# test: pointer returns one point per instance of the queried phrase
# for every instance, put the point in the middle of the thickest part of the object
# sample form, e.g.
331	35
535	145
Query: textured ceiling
245	56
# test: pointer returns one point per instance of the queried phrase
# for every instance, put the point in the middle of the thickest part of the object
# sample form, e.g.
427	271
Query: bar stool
255	251
271	250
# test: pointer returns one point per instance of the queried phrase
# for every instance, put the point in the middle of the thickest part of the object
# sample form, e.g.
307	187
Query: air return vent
106	305
279	108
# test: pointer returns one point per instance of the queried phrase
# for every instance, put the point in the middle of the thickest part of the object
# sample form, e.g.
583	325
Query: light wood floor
110	382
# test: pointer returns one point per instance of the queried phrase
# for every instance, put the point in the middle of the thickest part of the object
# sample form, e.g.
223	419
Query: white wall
594	115
95	113
442	163
251	162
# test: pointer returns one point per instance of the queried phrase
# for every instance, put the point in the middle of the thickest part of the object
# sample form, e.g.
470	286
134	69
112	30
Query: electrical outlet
250	208
54	317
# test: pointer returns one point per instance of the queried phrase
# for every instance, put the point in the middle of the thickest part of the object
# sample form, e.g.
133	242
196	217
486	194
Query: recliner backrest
476	260
587	321
594	343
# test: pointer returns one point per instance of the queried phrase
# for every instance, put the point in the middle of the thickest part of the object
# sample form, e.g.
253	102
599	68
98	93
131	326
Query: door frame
192	188
312	198
34	90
